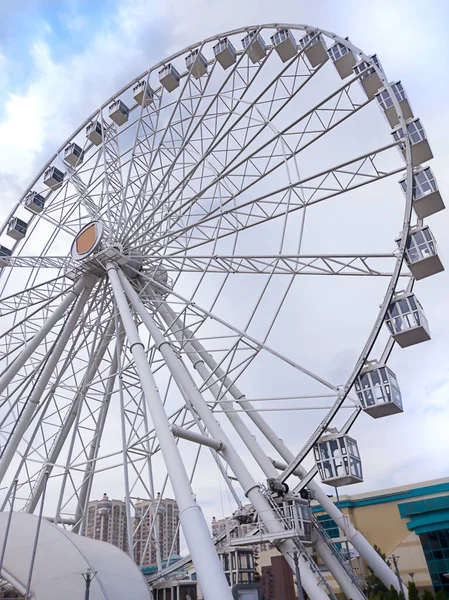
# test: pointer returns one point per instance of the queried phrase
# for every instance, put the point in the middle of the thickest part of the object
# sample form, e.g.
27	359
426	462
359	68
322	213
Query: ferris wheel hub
91	253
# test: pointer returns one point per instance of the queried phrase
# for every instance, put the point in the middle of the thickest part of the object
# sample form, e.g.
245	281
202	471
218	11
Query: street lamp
88	576
395	562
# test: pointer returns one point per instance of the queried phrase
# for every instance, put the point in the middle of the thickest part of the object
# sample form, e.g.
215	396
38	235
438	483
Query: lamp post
396	569
88	576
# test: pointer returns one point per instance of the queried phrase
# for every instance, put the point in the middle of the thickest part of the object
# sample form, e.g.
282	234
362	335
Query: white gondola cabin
406	320
94	133
427	199
119	112
369	78
421	151
196	63
285	44
421	253
343	58
255	46
169	77
386	103
338	460
314	48
297	516
17	229
143	94
73	154
53	178
34	202
225	53
378	390
4	254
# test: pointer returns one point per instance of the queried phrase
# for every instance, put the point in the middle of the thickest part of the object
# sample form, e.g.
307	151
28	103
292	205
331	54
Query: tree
440	595
427	595
413	593
375	589
393	593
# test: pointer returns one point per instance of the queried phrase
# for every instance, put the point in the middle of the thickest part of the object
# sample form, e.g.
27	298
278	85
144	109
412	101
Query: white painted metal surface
62	558
180	209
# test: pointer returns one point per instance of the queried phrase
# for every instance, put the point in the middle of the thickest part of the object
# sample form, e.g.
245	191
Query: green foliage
393	594
426	595
374	588
413	593
440	595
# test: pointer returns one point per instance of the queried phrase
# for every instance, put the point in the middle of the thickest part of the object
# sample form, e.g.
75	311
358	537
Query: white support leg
210	574
32	345
250	487
34	399
182	334
366	551
347	586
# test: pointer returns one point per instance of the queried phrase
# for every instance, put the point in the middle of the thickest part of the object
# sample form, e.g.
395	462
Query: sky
60	59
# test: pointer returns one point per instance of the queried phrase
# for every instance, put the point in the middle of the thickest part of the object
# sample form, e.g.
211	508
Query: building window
436	550
331	528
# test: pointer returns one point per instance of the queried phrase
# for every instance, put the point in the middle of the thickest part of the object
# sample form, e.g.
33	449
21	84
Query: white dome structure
61	559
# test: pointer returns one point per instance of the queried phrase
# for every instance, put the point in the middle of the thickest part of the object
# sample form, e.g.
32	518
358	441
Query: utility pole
88	576
298	577
396	570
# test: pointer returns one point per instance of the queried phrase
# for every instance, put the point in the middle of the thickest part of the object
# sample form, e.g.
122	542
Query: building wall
277	580
167	530
106	521
383	518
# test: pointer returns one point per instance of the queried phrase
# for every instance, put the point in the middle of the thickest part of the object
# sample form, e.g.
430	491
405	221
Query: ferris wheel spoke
197	309
160	156
83	194
35	295
40	335
57	381
97	352
279	91
112	203
34	399
326	185
307	129
63	209
324	264
41	262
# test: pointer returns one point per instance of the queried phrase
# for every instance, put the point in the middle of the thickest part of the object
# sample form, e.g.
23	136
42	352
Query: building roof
395	494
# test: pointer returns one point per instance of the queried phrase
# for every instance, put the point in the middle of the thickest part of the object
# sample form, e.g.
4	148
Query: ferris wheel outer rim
408	167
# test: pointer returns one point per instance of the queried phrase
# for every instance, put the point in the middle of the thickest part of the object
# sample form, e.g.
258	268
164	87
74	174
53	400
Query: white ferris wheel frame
74	283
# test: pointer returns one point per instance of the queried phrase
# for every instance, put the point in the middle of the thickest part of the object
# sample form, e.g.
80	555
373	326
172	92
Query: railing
346	564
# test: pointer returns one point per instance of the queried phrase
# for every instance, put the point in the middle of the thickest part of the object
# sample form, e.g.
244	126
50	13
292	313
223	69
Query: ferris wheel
191	285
